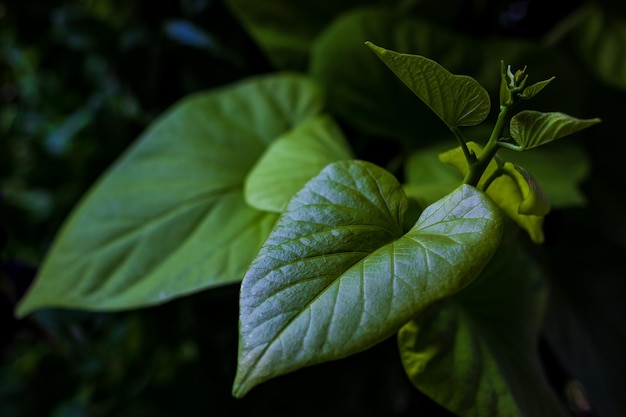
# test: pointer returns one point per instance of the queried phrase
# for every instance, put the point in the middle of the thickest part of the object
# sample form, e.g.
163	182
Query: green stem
479	166
469	156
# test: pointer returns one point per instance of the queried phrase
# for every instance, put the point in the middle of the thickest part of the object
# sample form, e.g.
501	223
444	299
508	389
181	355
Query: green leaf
292	160
504	189
559	169
476	352
601	42
286	29
532	128
372	99
506	97
169	217
458	100
534	200
533	90
427	179
336	275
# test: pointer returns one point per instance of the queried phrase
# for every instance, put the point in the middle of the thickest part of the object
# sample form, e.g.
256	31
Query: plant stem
469	157
478	167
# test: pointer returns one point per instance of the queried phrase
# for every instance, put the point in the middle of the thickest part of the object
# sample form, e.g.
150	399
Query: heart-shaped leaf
458	100
292	160
532	128
504	189
169	218
476	352
337	276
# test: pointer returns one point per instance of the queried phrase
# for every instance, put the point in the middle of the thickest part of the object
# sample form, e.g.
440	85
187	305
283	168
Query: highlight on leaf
337	275
531	129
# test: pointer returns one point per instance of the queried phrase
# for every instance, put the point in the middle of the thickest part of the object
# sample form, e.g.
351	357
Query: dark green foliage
359	253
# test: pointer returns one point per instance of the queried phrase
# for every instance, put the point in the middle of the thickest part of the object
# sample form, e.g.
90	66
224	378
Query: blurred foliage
80	79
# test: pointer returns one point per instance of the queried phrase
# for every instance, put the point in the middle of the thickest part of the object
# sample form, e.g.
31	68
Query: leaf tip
242	385
375	48
24	308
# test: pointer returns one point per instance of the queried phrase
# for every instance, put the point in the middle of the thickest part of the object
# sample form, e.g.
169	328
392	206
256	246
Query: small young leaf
337	276
504	190
458	100
533	90
476	353
368	96
532	128
292	160
534	201
169	217
506	97
559	169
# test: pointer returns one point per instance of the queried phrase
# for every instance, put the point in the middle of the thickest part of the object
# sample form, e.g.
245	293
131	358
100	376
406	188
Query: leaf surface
458	100
371	98
292	160
337	276
601	42
286	29
476	352
504	190
169	217
532	128
532	90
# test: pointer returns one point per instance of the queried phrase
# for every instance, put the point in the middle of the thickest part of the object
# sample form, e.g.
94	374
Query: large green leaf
505	190
458	100
169	218
285	29
292	160
370	97
601	41
532	128
337	276
476	352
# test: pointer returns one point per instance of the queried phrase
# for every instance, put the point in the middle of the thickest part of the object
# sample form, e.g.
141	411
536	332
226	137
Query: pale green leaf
337	276
476	352
504	190
559	170
506	97
292	160
534	200
532	128
458	100
169	217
